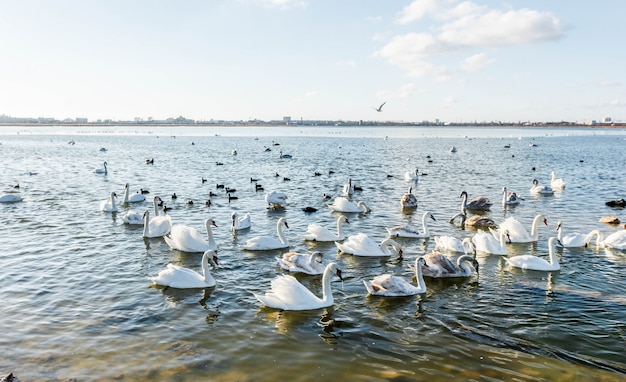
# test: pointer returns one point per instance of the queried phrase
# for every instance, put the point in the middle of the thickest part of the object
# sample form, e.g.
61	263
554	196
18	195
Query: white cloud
617	103
461	26
405	91
347	63
285	4
476	62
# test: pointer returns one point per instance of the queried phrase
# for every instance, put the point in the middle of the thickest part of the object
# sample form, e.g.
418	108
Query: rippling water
77	301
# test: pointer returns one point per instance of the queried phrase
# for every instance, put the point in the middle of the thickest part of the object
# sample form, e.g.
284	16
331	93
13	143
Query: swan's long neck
560	233
599	237
146	224
105	167
424	225
504	196
327	294
156	209
126	194
464	203
205	269
112	201
339	228
552	251
534	234
279	230
461	262
418	274
502	239
209	232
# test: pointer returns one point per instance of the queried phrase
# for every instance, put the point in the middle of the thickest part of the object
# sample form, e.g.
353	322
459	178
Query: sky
448	60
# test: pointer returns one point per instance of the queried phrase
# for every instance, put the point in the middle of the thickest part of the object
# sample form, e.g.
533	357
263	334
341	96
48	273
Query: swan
342	204
536	263
316	232
362	245
487	243
188	239
108	205
288	294
474	221
276	199
615	240
348	188
10	198
540	190
450	243
510	198
411	175
102	170
478	203
408	230
392	286
132	218
576	239
265	243
409	200
240	222
556	183
157	226
517	232
438	265
135	198
175	276
309	263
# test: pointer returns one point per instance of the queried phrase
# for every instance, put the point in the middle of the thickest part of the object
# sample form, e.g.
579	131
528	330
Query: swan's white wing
287	293
319	233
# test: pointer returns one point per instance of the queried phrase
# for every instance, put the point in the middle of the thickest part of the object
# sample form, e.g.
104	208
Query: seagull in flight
380	108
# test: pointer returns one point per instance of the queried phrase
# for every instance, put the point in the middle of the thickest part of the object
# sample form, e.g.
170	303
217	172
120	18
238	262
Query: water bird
230	190
208	203
174	196
453	244
309	209
175	276
410	231
150	161
145	192
487	243
219	186
474	221
616	240
17	185
439	266
517	232
479	203
204	180
188	239
288	294
408	200
102	170
453	149
309	263
536	263
265	243
240	222
540	190
510	198
576	239
189	202
411	175
131	217
284	156
253	180
348	189
212	194
166	208
395	286
619	203
317	173
380	108
258	187
556	183
219	163
11	198
156	226
362	245
230	197
286	179
325	196
276	199
134	198
316	232
108	205
341	204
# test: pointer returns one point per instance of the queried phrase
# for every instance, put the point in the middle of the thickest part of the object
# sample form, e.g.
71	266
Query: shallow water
77	301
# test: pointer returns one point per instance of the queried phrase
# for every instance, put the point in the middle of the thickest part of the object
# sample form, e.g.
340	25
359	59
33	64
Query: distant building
607	120
286	120
81	120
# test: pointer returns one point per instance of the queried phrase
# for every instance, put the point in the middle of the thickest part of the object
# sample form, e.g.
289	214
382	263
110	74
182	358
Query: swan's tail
369	287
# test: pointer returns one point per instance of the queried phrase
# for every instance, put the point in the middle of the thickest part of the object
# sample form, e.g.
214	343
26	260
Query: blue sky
456	61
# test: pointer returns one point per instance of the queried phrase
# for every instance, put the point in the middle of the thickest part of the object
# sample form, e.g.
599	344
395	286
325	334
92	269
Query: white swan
478	203
348	188
409	200
615	240
288	294
392	286
175	276
240	222
316	232
10	198
266	243
517	232
474	221
309	263
536	263
536	189
276	199
437	266
487	243
188	239
411	175
157	226
510	198
362	245
134	198
556	183
108	205
342	204
410	231
131	217
452	244
102	170
577	239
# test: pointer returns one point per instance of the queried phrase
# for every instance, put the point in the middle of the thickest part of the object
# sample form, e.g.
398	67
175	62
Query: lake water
77	301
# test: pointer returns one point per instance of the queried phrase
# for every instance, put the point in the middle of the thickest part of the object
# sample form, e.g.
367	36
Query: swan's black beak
213	223
545	221
433	217
215	260
339	274
400	253
286	225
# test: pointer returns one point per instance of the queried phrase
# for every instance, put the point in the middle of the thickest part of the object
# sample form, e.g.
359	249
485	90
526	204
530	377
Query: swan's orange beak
215	259
400	253
213	224
545	221
286	225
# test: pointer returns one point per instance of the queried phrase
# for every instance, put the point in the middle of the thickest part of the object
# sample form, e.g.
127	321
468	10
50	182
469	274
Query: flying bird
380	108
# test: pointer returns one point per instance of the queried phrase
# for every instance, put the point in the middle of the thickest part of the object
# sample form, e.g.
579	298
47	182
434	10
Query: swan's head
463	193
535	181
113	195
317	257
453	219
126	186
431	216
421	262
467	243
210	222
344	218
105	164
558	226
283	221
508	237
146	214
333	268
